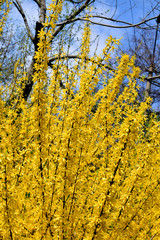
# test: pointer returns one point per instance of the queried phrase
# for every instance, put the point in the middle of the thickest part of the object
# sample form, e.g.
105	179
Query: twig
38	2
152	78
20	9
152	236
71	17
77	57
104	24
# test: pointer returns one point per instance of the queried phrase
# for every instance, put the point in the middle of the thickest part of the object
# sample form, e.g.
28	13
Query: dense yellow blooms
79	163
4	10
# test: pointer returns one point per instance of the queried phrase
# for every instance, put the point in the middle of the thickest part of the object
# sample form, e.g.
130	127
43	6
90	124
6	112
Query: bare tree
76	13
148	59
145	45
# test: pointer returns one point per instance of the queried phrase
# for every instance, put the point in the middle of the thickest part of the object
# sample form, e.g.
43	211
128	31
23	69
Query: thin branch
151	11
110	19
115	10
152	236
152	78
77	2
38	2
157	85
20	9
126	10
103	24
52	59
77	57
113	26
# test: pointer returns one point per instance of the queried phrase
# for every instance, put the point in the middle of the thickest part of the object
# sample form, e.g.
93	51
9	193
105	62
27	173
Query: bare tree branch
152	236
106	25
155	84
77	57
42	14
72	1
113	26
115	10
151	11
20	9
153	77
38	2
110	19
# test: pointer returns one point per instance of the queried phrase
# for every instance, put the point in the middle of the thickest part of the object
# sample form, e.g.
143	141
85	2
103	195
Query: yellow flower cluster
80	162
4	10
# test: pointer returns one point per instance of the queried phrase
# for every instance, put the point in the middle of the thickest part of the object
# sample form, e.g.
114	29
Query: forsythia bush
77	162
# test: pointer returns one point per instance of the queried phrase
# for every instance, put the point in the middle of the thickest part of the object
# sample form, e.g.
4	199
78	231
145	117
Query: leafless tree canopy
143	34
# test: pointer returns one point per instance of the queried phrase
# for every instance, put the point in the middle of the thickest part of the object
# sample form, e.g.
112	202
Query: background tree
143	42
66	27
